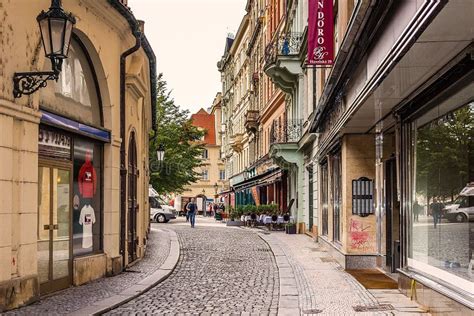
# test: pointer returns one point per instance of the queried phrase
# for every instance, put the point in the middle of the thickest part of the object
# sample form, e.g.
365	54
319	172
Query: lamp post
216	188
56	28
160	153
204	200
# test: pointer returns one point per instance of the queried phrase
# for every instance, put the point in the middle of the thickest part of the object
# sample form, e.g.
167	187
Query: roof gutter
141	42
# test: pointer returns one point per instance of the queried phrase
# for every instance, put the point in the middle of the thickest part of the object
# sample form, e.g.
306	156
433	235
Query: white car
462	210
159	212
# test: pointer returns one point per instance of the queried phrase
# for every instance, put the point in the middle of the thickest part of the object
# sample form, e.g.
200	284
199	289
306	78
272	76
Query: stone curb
288	296
165	270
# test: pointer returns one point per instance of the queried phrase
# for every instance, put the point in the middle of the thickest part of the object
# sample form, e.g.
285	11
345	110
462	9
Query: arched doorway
132	199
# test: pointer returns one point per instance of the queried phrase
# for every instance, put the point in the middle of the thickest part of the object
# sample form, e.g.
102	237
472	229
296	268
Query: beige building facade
74	154
212	168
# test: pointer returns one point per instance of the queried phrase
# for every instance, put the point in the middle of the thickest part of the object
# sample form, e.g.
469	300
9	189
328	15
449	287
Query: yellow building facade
74	155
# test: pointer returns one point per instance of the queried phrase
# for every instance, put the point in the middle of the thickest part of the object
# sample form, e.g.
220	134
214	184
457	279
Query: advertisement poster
86	197
320	33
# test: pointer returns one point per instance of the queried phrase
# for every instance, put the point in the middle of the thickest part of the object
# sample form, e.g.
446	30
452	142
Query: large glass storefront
441	221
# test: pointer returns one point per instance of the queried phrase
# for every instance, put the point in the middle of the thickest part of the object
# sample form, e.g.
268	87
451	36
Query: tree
179	137
445	154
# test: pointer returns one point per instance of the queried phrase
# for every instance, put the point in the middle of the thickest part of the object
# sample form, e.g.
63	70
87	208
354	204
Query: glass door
54	228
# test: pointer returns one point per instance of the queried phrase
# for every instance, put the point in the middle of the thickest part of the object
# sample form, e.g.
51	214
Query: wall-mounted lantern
56	28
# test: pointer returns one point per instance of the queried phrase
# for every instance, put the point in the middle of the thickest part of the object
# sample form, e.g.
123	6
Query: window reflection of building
72	81
443	143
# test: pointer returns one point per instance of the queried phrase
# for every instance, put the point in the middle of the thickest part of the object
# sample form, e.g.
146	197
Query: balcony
251	121
282	60
284	137
286	132
236	142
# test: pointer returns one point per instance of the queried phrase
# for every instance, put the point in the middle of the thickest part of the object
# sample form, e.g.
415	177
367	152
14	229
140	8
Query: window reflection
443	201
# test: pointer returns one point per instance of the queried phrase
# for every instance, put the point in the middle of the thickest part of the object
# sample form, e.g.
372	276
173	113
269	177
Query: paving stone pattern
220	271
76	298
324	288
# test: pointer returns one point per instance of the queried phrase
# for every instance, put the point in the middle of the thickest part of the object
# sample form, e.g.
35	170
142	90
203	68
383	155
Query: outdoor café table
268	220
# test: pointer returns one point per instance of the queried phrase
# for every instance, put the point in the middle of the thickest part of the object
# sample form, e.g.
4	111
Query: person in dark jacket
436	208
192	209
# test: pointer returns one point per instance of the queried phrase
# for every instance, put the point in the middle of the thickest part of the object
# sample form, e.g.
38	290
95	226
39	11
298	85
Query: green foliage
182	154
268	209
443	150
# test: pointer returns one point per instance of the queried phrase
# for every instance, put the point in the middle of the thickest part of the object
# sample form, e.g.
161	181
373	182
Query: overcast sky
188	37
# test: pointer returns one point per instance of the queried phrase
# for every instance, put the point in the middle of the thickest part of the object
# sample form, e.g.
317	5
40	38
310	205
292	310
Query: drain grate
373	308
311	311
263	249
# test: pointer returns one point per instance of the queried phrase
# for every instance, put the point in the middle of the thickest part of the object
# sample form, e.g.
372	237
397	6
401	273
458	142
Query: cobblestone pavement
322	286
76	298
220	271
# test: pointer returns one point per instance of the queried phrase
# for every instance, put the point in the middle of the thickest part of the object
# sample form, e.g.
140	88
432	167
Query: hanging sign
320	33
53	144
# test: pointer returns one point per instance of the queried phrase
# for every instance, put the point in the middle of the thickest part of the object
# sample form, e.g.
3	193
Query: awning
247	184
55	120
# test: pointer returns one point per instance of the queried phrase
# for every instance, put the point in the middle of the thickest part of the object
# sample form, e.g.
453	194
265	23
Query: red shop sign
320	33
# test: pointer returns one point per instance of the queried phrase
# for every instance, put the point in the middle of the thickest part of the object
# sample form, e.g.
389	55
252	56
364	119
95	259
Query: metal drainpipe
123	167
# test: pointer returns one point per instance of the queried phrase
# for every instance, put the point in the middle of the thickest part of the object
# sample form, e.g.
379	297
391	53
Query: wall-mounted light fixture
56	29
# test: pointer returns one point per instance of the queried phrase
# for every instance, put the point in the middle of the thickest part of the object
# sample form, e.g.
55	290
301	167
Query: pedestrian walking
436	208
416	211
186	212
192	208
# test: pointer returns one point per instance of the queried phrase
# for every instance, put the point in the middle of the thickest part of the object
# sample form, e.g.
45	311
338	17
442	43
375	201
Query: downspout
123	167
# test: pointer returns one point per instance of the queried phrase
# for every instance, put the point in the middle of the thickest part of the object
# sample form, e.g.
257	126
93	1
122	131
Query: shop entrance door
54	228
392	208
132	200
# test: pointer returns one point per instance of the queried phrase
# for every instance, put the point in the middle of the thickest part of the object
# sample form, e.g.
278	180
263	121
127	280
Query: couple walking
191	209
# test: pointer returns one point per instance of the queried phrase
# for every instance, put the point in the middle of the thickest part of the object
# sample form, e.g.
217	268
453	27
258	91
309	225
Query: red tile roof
207	122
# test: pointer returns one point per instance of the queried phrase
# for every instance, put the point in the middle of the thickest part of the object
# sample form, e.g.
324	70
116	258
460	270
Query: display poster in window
86	198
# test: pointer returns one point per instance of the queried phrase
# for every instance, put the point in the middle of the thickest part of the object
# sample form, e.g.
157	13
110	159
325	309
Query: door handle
51	227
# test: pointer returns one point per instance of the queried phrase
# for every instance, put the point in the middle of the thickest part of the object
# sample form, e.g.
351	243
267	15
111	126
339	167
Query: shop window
87	197
442	202
75	94
324	198
336	194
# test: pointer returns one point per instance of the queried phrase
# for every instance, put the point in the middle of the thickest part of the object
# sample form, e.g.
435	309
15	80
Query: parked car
462	210
159	212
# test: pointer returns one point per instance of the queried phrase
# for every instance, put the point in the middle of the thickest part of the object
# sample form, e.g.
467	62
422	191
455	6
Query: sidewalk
101	295
311	282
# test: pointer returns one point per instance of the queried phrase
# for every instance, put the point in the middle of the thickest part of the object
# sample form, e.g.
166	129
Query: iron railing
286	132
288	44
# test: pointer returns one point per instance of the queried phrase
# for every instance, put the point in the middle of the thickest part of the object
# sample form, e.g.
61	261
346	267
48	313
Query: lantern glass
58	30
45	35
67	37
160	154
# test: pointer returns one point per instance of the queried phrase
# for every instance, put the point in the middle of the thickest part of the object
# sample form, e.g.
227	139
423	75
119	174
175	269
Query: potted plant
290	228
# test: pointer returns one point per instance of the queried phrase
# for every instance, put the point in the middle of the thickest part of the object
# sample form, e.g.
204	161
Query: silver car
159	212
462	210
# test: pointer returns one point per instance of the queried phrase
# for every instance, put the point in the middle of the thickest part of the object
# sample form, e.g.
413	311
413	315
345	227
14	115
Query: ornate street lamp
160	153
56	30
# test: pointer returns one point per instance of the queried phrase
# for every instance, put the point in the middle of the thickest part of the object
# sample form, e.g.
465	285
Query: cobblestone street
75	299
220	271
